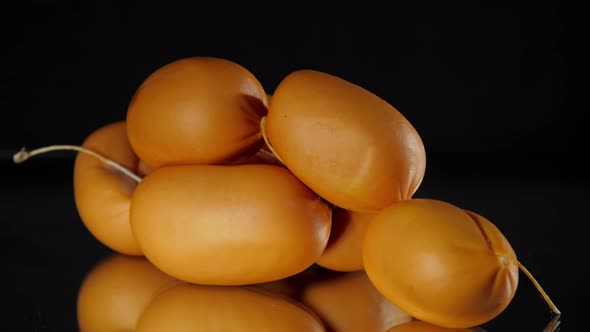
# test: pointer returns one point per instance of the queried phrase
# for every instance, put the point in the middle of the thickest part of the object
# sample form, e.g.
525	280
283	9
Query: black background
489	89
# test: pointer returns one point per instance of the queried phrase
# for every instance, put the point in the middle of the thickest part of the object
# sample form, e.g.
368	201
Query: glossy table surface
539	203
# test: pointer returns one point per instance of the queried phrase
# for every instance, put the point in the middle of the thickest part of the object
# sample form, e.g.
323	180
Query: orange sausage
346	144
189	307
344	251
198	110
103	194
439	263
228	225
116	291
349	302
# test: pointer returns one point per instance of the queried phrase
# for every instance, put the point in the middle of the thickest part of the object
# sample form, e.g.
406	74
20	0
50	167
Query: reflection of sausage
103	194
417	326
116	291
189	307
344	249
349	302
228	225
346	144
439	263
197	111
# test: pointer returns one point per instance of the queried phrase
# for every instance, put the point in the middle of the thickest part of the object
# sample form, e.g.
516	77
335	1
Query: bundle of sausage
217	182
